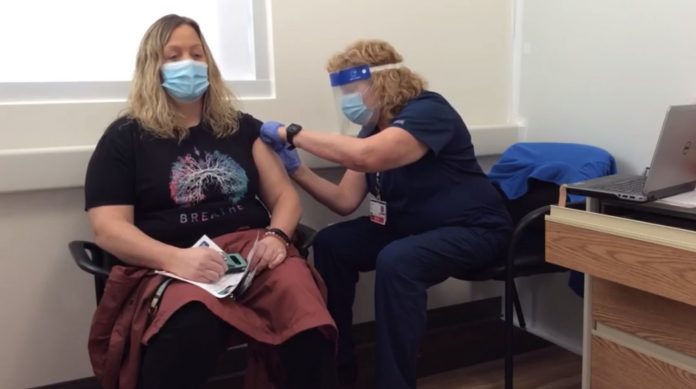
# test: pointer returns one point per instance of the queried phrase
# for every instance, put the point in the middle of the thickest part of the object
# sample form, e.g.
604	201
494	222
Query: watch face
291	131
293	128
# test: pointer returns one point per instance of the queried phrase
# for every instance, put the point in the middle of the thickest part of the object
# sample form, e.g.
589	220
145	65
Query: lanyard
378	208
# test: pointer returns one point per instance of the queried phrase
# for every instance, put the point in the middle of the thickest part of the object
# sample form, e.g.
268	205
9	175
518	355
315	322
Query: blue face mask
355	110
185	80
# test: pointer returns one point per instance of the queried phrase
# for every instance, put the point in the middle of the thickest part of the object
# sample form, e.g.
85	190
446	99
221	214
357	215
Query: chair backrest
539	194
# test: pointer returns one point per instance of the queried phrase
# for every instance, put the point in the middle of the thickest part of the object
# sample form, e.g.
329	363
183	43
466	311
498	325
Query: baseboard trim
82	383
457	336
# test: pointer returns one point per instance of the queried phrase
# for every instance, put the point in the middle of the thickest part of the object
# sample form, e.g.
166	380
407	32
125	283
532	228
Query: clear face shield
355	99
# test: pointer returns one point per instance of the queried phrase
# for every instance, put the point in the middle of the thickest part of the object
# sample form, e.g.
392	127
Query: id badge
378	211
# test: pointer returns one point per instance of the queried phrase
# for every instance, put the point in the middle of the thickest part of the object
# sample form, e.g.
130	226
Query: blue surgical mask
355	110
185	80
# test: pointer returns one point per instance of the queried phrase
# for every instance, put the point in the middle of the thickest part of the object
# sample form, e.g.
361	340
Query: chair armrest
522	227
88	257
304	238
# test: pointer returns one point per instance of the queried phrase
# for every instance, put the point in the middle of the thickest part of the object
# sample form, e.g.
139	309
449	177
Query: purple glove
269	134
290	159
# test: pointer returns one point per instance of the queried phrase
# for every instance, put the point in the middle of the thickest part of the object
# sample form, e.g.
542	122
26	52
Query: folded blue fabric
560	163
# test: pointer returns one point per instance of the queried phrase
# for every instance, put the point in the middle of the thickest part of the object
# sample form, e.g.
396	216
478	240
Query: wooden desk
640	293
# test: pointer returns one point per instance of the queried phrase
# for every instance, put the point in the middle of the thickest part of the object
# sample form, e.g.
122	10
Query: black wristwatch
290	132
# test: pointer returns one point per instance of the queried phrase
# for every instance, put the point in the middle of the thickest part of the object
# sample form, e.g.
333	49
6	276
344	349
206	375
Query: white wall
600	72
462	46
604	72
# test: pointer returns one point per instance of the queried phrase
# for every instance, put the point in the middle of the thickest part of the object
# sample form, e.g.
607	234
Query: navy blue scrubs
443	217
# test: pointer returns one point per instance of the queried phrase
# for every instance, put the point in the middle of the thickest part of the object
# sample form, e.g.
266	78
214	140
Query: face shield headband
350	100
357	73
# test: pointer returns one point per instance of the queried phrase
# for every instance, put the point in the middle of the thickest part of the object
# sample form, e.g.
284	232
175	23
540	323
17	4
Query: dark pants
405	268
184	353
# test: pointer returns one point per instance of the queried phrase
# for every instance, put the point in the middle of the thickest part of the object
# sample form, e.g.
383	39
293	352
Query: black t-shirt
447	185
179	190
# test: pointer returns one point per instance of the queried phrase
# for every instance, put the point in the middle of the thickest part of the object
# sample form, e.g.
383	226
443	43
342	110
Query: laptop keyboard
629	186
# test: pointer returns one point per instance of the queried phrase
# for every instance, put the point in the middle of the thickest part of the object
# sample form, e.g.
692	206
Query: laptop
672	170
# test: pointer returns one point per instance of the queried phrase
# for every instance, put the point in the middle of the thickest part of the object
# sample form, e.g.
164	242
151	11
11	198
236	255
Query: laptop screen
674	160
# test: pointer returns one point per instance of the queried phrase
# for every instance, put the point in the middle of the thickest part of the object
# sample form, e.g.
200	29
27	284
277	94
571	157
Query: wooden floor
548	368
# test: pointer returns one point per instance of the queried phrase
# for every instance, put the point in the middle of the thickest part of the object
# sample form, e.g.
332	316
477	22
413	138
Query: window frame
109	91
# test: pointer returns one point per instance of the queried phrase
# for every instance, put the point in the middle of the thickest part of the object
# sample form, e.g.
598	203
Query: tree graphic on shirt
192	176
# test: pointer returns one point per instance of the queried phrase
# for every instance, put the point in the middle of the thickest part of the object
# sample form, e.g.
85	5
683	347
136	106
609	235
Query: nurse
433	213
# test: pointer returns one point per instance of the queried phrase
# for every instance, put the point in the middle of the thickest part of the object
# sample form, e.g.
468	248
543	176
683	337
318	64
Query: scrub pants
406	266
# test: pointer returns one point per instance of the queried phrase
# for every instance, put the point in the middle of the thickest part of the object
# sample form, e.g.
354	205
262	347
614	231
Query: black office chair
524	257
98	262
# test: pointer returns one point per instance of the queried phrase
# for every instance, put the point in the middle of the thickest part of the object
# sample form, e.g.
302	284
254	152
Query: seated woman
180	163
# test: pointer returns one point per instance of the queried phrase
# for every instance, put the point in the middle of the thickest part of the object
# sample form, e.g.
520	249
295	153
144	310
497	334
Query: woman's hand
271	135
201	264
270	252
290	159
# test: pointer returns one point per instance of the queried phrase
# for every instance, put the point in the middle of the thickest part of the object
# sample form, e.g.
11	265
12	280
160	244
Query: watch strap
290	131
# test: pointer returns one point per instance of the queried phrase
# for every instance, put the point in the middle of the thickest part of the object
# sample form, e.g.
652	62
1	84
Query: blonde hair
150	105
393	87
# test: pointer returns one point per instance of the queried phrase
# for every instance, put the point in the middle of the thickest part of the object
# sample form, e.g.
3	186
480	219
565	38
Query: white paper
686	200
228	284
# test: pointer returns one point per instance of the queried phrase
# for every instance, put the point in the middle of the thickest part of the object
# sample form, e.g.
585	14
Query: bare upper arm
100	217
273	180
391	148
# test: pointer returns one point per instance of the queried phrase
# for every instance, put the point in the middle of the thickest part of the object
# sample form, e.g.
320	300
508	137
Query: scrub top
446	186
